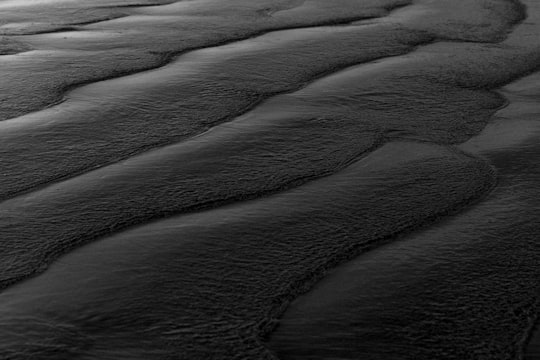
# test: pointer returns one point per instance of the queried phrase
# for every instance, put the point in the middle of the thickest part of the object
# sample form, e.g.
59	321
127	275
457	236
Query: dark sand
218	158
465	288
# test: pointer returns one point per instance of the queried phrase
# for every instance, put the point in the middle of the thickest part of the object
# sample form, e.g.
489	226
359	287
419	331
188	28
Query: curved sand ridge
206	285
337	122
19	16
465	288
142	111
147	114
111	49
284	142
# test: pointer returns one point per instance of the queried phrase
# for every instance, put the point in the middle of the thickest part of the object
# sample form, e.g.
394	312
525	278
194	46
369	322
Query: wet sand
175	174
219	279
476	271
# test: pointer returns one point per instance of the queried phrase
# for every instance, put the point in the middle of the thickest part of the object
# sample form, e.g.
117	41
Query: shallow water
216	159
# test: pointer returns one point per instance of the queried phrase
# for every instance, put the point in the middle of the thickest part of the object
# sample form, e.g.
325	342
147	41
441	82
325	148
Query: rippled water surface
176	176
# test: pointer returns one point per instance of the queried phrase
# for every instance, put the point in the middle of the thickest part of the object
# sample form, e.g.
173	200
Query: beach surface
292	179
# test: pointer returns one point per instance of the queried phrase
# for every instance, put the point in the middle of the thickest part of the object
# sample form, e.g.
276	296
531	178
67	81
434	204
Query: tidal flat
269	179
